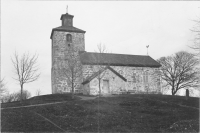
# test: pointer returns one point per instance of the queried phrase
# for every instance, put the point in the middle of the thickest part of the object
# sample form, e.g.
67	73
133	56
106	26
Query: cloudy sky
124	27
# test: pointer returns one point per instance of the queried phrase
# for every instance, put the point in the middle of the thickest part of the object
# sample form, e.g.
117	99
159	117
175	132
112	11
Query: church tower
64	38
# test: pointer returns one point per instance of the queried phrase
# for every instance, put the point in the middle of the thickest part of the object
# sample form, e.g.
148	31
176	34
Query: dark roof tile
68	29
91	58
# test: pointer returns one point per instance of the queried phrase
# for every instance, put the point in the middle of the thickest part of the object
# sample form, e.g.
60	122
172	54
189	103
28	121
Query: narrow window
158	83
134	78
138	78
145	77
129	83
69	38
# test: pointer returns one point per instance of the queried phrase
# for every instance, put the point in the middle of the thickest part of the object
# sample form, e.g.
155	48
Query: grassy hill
123	113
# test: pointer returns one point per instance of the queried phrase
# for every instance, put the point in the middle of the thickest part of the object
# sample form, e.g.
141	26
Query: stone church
86	72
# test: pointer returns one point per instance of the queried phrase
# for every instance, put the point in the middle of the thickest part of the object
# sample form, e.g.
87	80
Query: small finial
147	48
67	9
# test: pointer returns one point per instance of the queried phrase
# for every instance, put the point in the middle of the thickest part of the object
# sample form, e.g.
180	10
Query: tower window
69	38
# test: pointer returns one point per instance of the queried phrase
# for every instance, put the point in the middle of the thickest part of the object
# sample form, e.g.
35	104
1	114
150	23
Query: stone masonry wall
59	54
115	83
140	79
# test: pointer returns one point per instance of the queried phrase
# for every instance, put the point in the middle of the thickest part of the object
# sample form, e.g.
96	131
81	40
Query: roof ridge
118	54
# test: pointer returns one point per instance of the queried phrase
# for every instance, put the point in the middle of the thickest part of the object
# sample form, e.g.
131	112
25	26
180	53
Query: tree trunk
21	97
72	86
173	92
72	90
99	86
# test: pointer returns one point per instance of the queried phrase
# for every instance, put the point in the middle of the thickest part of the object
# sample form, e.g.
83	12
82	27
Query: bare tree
26	69
101	49
3	89
99	67
73	69
196	30
16	96
38	92
180	71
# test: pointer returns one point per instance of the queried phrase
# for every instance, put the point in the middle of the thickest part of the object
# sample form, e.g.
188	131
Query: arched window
145	77
69	38
134	77
158	82
138	78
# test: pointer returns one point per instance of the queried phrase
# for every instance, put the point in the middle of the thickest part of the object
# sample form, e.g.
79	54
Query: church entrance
106	86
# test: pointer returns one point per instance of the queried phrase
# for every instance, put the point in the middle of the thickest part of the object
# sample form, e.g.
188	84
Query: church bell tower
63	38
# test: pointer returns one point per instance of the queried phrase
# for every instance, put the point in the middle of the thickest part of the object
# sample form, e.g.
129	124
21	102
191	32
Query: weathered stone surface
140	79
60	46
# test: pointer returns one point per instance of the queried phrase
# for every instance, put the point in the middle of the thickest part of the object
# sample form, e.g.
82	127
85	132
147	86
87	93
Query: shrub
16	96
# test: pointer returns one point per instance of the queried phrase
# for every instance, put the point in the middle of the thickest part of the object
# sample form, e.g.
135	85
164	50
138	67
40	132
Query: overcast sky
124	27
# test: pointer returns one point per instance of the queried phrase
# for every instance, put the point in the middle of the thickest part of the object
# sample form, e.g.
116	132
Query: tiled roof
88	79
67	15
91	58
68	29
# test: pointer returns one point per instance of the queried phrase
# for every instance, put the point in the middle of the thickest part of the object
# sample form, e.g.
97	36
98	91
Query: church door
106	86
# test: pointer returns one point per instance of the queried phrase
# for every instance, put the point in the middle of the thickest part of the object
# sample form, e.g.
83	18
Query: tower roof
67	29
66	15
67	25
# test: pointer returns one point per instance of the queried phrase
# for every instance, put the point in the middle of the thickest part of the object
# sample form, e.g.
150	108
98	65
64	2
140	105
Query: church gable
95	74
111	82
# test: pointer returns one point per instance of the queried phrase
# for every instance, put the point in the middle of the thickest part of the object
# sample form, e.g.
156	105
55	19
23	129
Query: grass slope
123	113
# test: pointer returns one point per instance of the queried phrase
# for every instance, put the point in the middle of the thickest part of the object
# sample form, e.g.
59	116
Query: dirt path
82	98
33	105
86	98
91	98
